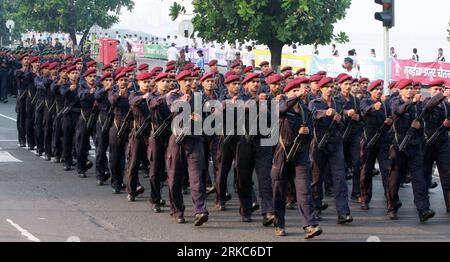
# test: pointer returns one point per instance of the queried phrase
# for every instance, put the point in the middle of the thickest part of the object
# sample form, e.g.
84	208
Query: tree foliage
274	23
68	16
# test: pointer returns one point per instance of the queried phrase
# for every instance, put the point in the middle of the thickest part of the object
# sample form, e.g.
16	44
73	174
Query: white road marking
9	140
7	117
7	157
23	232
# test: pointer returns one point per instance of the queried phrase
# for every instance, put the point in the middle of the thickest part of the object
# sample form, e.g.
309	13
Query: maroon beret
287	74
247	69
119	70
76	61
293	84
213	62
404	83
302	80
268	73
355	80
231	78
437	83
45	65
344	78
322	73
315	78
34	59
286	68
71	68
273	79
227	74
300	70
90	72
91	63
144	76
53	65
170	68
188	66
157	69
207	75
114	60
23	56
68	57
183	74
375	84
107	66
263	63
363	79
62	68
143	67
120	75
127	70
104	76
131	63
392	84
235	64
324	81
249	77
161	76
171	63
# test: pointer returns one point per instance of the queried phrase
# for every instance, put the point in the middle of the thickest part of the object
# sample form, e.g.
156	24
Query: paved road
41	202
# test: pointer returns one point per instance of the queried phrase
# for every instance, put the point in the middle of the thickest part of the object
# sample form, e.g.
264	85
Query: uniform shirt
352	103
121	106
158	108
139	107
403	123
374	119
87	100
71	97
173	102
291	121
322	124
101	98
436	111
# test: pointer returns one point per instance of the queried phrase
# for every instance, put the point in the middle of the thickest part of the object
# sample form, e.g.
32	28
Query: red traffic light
388	14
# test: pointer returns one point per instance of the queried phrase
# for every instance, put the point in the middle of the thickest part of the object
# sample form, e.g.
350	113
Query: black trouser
299	171
48	132
439	153
3	85
57	137
83	144
156	156
137	152
69	124
29	123
117	150
188	157
102	142
352	151
39	130
210	144
378	152
225	156
253	157
411	161
21	120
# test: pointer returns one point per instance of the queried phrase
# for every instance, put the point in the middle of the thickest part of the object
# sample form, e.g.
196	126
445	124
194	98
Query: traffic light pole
386	61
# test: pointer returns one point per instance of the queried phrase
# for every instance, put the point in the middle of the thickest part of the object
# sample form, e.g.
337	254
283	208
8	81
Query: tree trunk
73	37
83	38
275	48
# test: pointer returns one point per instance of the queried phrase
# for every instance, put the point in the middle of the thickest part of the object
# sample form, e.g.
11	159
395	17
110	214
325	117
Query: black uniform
102	136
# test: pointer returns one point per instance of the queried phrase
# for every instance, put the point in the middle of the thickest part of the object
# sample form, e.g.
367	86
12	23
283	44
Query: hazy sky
420	24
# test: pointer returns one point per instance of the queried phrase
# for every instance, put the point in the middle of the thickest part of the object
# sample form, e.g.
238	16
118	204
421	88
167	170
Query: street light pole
386	61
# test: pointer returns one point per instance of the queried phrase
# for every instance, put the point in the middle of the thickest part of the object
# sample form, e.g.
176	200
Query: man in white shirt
172	53
230	55
248	56
349	69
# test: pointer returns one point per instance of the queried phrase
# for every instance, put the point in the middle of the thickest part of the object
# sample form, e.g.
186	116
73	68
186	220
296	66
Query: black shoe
131	198
290	206
255	206
82	175
67	168
324	206
30	148
425	215
344	219
433	185
180	220
48	158
162	202
210	190
365	206
200	219
268	219
392	215
156	208
329	192
318	214
407	180
116	191
89	165
5	101
280	232
354	196
312	231
448	209
227	197
246	219
221	207
348	177
185	191
140	190
100	182
398	205
375	172
57	160
22	145
123	186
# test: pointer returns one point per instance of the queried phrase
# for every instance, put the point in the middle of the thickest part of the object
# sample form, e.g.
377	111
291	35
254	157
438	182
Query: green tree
3	30
274	23
66	16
